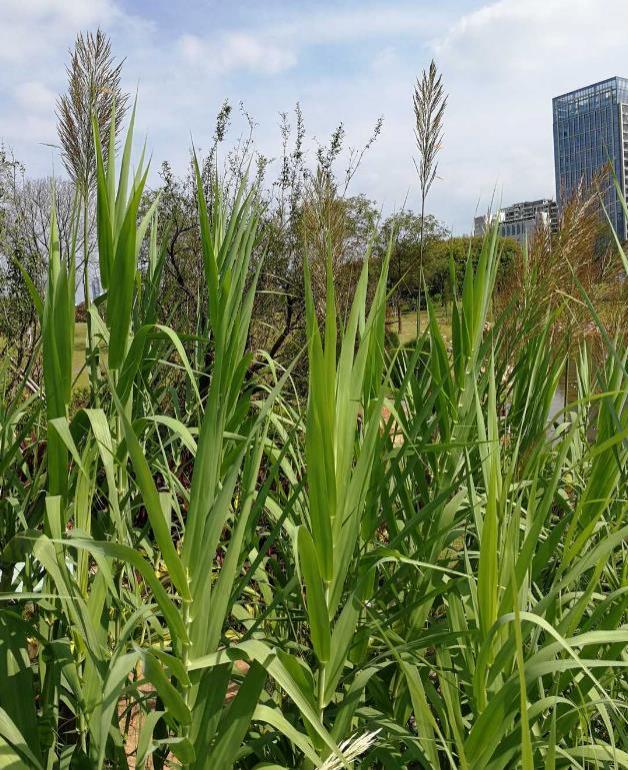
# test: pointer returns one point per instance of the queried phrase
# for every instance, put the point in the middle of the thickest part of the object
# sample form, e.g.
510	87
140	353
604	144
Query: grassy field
79	371
408	331
80	374
406	336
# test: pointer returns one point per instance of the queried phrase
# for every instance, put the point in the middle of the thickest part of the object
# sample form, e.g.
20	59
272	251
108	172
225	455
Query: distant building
96	287
590	131
482	223
521	220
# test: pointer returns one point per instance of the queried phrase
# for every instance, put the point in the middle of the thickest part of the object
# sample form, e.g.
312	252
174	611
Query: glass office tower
591	130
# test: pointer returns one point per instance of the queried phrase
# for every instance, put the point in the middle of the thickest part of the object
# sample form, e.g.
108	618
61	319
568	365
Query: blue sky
343	61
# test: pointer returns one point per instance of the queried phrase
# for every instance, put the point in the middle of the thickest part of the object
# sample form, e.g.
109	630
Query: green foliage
440	250
416	566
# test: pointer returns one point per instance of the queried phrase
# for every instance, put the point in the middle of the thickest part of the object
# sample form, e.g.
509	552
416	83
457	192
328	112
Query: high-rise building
521	220
591	131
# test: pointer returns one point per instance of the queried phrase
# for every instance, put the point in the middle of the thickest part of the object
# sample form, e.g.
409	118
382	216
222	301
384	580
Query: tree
18	318
429	102
441	252
308	212
406	230
290	205
29	222
25	206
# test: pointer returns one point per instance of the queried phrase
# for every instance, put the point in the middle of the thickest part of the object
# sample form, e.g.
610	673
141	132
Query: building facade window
591	132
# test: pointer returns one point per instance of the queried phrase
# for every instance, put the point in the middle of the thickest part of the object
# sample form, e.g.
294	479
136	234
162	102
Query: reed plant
415	564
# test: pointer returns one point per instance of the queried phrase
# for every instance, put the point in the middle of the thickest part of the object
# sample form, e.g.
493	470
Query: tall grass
408	568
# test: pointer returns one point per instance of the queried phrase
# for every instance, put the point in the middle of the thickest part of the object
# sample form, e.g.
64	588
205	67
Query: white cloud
35	36
36	96
236	51
385	59
367	21
275	47
503	63
37	132
32	28
513	38
73	12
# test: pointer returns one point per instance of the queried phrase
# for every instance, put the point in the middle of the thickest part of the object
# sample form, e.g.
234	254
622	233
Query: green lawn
406	336
408	324
78	357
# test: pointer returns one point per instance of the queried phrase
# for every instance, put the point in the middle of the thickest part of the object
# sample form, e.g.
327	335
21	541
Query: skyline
502	62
